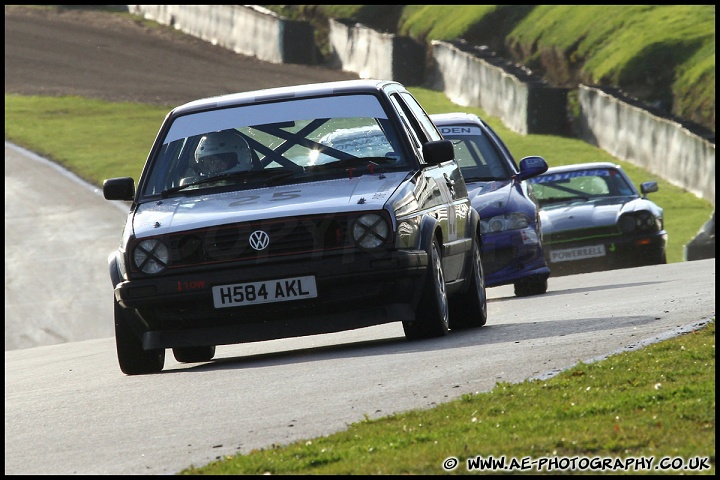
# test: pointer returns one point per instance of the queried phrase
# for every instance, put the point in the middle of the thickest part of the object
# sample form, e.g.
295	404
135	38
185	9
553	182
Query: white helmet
221	152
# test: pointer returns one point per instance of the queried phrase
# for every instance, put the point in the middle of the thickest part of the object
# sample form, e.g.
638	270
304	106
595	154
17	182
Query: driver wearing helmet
219	152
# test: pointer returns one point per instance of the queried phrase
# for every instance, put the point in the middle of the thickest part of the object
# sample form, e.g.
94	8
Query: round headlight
645	220
500	223
483	226
517	221
642	220
370	230
151	256
496	224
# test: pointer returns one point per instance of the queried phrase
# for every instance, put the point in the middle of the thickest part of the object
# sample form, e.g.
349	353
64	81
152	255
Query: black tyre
528	287
432	315
194	354
650	257
133	359
661	258
469	310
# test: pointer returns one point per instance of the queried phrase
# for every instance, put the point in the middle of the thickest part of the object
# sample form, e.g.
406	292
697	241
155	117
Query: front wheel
658	258
469	310
431	316
534	286
133	359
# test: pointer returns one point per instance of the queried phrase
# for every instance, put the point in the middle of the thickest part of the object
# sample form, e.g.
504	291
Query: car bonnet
581	214
490	198
174	214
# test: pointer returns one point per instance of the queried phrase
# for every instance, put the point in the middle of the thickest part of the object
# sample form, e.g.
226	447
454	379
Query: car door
443	190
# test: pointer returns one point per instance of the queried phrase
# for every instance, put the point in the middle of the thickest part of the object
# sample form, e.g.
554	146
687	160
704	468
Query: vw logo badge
259	240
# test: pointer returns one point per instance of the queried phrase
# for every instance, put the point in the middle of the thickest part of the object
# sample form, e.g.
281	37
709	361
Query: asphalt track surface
118	58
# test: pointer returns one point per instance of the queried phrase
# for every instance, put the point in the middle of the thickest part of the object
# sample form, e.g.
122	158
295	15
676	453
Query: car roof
581	166
453	118
294	91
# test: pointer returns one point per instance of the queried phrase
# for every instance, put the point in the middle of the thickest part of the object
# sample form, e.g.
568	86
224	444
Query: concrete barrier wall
656	144
472	76
625	131
354	49
472	82
249	30
372	54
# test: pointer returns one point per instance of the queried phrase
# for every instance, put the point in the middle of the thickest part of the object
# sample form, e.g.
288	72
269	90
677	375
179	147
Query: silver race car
288	212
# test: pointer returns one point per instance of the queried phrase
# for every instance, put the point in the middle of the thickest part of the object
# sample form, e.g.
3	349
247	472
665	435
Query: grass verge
656	402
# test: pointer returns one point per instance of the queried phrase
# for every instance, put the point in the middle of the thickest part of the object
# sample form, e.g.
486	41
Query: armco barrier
469	77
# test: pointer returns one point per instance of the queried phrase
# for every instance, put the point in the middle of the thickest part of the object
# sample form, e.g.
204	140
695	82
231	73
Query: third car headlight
640	221
151	256
370	230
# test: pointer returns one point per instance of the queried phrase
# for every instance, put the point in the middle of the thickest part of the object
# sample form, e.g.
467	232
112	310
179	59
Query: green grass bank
657	402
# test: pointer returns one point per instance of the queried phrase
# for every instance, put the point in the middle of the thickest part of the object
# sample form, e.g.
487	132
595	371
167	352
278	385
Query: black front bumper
619	253
365	290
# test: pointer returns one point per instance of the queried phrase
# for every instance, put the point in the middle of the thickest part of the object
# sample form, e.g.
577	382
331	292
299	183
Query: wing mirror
122	188
438	151
531	167
648	187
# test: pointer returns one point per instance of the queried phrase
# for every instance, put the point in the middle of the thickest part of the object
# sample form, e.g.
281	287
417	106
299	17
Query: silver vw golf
254	220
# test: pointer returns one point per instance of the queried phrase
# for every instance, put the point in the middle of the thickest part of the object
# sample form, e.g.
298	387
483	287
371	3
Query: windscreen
286	141
476	155
582	184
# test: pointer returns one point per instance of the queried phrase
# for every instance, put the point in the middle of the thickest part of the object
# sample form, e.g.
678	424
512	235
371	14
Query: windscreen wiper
546	201
483	179
248	175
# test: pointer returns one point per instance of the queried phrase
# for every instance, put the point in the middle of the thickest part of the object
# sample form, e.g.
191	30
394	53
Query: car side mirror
648	187
122	188
531	167
438	151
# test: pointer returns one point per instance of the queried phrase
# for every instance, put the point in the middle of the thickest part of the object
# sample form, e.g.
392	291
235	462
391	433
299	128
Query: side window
428	127
617	184
410	126
503	147
418	124
170	166
477	158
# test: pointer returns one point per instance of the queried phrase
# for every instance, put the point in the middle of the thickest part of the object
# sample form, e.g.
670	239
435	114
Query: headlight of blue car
501	223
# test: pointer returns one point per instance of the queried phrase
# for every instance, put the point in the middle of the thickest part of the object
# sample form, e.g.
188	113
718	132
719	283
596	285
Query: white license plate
282	290
570	254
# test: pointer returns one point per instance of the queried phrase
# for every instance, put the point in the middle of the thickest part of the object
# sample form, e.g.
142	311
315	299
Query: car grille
582	234
231	242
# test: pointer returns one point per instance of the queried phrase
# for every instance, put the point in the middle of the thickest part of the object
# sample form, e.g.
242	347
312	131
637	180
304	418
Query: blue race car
512	250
